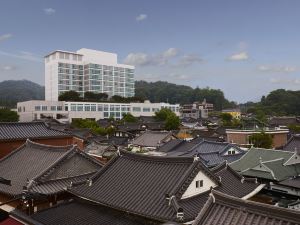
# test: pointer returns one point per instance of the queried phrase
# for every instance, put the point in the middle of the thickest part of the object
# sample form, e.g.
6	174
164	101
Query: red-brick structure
13	135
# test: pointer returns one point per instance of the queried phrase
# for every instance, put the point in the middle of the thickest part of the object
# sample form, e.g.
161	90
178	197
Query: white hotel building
67	111
87	70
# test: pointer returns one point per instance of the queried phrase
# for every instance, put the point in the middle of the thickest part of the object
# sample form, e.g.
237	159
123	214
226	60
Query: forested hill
13	91
280	102
161	91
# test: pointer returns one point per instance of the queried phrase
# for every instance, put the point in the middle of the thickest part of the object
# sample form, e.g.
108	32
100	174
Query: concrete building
67	111
196	110
241	137
87	70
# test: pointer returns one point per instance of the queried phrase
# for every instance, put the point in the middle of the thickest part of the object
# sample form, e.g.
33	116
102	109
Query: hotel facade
87	70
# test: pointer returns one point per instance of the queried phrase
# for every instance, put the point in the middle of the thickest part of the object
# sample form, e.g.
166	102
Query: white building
87	70
67	111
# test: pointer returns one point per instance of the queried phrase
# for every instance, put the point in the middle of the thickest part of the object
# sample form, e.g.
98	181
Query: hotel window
93	108
44	108
87	108
37	108
136	109
199	183
105	107
105	114
146	109
53	108
59	108
100	108
155	109
73	107
79	107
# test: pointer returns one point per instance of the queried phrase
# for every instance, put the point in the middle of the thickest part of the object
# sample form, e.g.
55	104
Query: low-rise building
196	110
67	111
13	135
242	136
235	113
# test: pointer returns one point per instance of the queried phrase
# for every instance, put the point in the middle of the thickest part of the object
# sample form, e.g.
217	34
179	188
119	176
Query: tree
95	97
129	118
226	119
172	122
70	96
261	140
162	114
6	115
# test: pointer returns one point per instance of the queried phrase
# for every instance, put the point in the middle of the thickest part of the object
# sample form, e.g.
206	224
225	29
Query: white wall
192	190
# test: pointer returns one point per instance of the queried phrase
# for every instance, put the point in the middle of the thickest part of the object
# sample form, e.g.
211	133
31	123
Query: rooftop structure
227	210
292	144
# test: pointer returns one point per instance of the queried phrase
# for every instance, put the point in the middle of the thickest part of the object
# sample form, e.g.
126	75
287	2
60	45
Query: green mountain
13	91
162	91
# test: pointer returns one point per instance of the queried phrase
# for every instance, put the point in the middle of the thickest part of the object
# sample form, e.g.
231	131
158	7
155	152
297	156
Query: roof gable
34	163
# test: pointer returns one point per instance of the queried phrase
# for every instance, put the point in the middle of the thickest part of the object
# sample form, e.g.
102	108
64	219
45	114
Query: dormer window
199	183
231	152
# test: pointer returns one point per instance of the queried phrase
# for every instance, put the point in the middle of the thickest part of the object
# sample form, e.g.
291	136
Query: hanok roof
227	210
292	144
32	130
45	169
153	187
78	212
267	164
284	121
212	153
151	138
293	182
99	149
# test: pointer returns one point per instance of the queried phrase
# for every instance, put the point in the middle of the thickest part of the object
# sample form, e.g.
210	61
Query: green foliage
7	115
70	96
167	92
14	91
169	117
94	97
172	122
229	121
163	114
129	118
261	140
294	128
93	125
279	103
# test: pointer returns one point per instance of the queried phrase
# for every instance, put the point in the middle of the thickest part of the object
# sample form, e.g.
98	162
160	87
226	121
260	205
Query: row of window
46	108
100	108
145	109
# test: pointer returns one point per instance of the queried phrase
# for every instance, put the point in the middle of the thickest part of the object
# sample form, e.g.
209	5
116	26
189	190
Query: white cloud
5	37
285	81
277	69
49	11
189	59
241	56
143	59
141	17
8	68
23	55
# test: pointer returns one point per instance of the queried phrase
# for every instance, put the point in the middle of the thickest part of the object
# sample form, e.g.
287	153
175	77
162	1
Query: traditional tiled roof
32	130
151	138
267	164
212	153
47	169
79	212
227	210
284	121
291	182
292	144
153	187
99	149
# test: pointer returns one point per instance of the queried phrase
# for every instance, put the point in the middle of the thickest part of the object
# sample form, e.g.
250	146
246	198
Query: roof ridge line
53	164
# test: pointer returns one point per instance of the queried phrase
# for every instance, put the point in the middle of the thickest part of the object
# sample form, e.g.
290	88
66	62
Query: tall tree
261	140
70	96
7	115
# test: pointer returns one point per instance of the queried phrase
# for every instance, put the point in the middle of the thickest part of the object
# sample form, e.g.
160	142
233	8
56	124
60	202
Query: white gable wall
192	190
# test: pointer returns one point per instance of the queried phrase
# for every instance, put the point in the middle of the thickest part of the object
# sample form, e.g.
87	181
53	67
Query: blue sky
245	48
